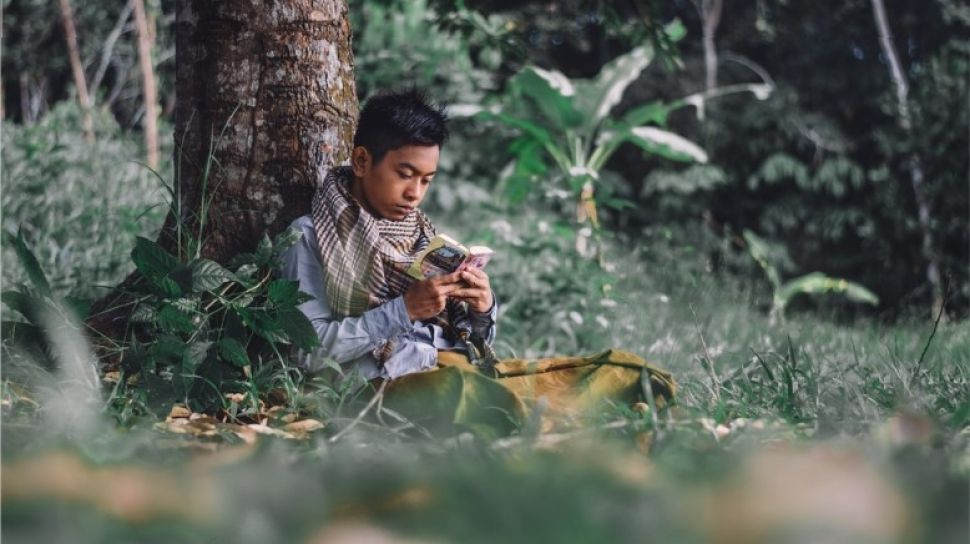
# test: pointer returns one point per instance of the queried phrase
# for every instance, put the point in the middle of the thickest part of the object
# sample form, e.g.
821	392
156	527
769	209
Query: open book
444	255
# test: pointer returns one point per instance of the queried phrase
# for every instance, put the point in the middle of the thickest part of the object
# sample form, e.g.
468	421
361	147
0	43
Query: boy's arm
346	339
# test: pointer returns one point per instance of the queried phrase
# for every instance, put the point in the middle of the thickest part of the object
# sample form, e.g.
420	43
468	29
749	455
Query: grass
811	429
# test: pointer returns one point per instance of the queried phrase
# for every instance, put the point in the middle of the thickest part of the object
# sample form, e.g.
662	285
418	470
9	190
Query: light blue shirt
352	341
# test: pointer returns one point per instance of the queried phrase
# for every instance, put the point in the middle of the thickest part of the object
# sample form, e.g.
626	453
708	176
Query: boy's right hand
427	298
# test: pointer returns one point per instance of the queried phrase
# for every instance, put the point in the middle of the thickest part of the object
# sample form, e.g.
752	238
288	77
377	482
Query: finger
477	273
446	279
448	288
466	293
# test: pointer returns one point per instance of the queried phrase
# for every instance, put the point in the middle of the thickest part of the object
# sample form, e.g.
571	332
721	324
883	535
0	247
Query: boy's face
395	186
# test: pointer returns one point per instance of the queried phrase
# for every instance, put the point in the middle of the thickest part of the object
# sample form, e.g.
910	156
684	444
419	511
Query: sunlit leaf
208	275
667	144
818	283
599	95
551	92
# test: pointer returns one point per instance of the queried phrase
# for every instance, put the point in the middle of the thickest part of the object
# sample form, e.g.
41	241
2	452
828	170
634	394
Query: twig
377	396
709	367
936	324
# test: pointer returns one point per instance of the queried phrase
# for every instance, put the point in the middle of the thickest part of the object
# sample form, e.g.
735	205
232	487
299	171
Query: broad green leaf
172	319
817	282
283	292
187	304
233	352
246	274
653	113
144	313
264	251
517	187
268	326
31	266
551	92
194	354
666	144
285	240
599	95
151	259
528	127
208	275
299	329
167	349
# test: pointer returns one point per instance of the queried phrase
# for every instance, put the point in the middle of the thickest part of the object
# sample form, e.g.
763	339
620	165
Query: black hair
397	119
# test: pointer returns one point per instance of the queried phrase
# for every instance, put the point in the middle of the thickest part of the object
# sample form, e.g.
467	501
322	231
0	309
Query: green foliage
812	283
565	124
82	204
398	44
200	330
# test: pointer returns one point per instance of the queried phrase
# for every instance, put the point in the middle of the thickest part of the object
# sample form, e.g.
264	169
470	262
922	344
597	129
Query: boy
365	229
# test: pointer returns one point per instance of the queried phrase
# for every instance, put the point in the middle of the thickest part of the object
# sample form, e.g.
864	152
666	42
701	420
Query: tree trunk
265	99
150	125
710	19
915	164
70	34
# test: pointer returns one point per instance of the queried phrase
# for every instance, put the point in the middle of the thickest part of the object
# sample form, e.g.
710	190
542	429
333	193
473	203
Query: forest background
800	149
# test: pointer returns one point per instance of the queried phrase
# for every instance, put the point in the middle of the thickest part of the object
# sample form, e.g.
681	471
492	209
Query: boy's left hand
477	291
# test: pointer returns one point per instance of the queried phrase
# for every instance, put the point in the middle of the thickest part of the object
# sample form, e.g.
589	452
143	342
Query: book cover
445	255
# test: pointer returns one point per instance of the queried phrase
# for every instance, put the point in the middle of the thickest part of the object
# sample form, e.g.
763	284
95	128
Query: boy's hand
475	290
426	298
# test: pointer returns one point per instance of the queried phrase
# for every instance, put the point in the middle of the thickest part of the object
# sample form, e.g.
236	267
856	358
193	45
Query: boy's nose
412	192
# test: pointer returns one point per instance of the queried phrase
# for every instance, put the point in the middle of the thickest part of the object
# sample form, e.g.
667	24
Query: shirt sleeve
483	324
350	338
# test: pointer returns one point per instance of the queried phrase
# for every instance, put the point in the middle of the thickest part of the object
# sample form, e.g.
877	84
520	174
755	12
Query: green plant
567	122
197	330
812	283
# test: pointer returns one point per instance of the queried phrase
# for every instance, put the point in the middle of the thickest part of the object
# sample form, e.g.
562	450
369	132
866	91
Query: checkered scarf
365	258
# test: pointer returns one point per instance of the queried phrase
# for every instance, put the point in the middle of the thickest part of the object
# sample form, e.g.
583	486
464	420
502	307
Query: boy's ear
360	159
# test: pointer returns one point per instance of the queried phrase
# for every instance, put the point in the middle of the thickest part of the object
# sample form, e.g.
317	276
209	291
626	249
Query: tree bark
150	125
265	100
70	35
915	163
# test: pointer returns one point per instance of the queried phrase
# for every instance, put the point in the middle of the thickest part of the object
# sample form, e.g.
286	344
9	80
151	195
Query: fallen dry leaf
303	426
178	411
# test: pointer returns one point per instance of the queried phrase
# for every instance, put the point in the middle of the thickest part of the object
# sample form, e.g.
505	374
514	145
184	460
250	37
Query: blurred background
821	169
773	203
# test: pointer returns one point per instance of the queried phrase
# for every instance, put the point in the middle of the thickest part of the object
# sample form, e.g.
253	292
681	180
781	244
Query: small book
445	255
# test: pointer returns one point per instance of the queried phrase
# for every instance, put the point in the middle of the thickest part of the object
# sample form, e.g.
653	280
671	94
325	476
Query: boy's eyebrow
406	164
